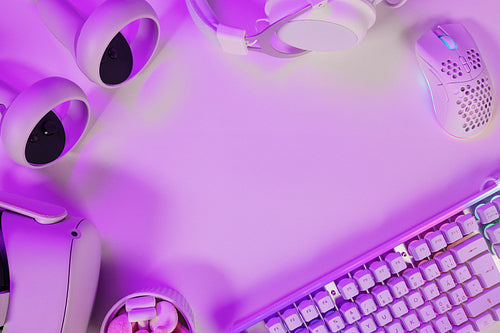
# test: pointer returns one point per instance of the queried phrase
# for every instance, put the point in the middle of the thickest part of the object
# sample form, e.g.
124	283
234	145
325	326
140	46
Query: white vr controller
110	46
53	267
44	122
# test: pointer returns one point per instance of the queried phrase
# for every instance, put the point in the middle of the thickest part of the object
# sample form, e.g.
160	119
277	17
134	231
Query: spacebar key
483	302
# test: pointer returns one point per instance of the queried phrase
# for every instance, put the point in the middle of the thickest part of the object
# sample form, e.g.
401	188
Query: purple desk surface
237	179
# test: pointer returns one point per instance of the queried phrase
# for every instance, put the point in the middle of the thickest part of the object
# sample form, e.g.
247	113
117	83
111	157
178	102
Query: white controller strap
40	211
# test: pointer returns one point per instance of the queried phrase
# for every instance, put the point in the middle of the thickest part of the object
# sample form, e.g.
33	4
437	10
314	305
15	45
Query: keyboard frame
264	313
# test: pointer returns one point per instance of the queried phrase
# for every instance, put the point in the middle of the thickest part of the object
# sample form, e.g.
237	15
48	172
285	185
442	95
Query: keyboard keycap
426	313
496	202
429	269
396	262
441	324
413	278
292	319
365	279
473	307
414	299
469	249
334	321
487	213
435	240
348	288
445	261
493	233
430	290
419	249
426	328
464	328
441	304
445	282
410	321
324	301
366	304
398	286
496	249
380	271
461	274
382	317
482	322
350	312
382	295
367	325
457	295
451	232
398	308
495	313
472	287
317	326
467	224
457	316
394	327
485	269
274	325
308	310
351	329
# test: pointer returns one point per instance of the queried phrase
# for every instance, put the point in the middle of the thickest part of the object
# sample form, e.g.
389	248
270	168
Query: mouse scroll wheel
448	41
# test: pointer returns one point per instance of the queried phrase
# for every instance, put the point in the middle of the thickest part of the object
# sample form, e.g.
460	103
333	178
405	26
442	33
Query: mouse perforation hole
474	102
451	69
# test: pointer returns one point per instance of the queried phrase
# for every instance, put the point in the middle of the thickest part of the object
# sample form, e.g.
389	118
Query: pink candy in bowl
156	311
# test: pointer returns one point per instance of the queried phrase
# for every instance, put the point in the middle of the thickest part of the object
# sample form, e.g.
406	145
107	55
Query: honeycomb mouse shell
54	270
460	85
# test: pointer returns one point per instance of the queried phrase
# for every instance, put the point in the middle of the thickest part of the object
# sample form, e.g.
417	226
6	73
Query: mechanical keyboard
440	276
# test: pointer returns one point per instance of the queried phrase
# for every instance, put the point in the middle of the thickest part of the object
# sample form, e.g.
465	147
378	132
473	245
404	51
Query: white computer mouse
457	77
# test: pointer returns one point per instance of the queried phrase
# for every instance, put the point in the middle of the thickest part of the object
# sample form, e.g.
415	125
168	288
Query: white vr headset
50	266
295	26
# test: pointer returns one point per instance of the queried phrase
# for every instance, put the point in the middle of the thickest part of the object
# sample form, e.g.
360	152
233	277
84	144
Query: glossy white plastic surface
458	80
324	26
32	104
105	22
42	212
88	38
329	26
62	19
53	271
232	40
